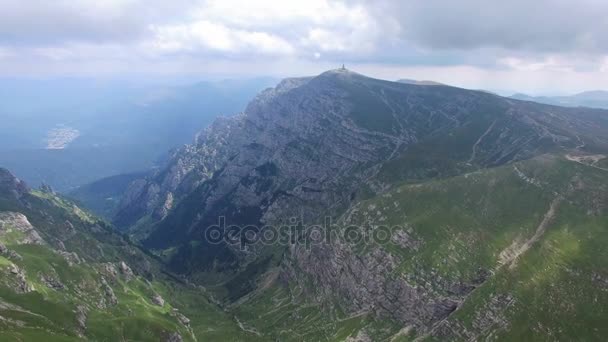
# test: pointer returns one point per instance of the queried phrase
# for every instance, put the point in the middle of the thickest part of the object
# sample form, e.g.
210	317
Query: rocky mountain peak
9	184
341	125
339	72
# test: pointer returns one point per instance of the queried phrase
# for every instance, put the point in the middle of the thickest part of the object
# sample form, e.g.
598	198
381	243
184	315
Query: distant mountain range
78	131
593	99
416	82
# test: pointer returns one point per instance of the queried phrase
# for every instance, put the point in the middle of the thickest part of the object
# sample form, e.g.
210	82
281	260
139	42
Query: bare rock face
109	271
295	151
187	169
66	231
109	298
164	210
22	285
308	148
158	300
403	239
5	252
47	189
185	321
125	271
491	317
71	257
361	284
51	281
10	221
81	319
11	185
112	271
173	337
361	336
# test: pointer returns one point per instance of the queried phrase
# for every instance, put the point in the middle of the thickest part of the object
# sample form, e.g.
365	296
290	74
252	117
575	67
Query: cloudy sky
538	47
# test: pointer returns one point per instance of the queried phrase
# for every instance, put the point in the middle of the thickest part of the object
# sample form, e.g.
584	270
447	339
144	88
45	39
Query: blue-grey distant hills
417	82
593	99
70	132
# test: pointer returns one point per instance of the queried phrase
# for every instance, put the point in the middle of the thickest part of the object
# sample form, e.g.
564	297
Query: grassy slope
283	314
558	286
51	313
463	224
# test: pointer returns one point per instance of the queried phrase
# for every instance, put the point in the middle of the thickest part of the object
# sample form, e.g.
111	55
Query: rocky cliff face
17	225
309	145
10	185
315	147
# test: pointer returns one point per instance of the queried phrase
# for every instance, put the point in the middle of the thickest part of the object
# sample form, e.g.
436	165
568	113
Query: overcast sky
533	46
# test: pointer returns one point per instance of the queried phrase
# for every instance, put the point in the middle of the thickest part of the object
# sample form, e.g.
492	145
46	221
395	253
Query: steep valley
446	214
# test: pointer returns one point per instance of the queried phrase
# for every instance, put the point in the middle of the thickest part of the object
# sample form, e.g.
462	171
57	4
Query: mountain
68	276
79	131
409	81
412	212
593	99
102	197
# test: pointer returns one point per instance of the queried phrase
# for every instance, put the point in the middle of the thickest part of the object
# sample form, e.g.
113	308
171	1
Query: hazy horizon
473	44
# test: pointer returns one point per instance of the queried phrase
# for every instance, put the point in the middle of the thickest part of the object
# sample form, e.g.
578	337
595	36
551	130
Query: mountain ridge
315	147
487	204
68	276
593	99
294	84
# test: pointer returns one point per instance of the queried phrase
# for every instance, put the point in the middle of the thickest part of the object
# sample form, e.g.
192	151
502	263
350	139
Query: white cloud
604	66
218	37
40	22
505	81
535	26
271	14
546	63
474	41
358	41
5	52
54	53
267	27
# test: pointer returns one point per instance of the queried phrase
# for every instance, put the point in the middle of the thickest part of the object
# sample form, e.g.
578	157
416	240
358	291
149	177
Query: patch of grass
4	262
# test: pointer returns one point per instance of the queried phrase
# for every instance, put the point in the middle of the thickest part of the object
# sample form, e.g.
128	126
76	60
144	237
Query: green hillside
66	275
525	240
440	214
